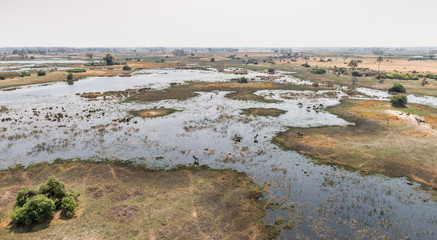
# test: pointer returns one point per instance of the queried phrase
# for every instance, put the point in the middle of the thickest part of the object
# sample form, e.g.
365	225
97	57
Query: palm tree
379	60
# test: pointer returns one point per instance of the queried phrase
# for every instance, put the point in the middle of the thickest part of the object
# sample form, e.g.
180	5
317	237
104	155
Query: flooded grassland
304	199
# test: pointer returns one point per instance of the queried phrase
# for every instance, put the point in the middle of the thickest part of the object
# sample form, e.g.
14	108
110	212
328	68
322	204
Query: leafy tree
23	195
70	79
53	189
397	87
399	100
126	68
379	60
109	58
68	204
36	209
353	64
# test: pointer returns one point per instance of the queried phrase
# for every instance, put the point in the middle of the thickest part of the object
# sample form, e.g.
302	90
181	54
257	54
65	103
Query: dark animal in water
256	136
300	134
300	105
401	114
408	114
196	161
321	105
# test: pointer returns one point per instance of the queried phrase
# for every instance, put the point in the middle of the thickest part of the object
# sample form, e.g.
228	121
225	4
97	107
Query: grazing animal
408	114
401	114
300	134
196	161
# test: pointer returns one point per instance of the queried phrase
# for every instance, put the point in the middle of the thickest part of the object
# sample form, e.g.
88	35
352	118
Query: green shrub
126	68
397	87
243	80
306	65
41	73
23	195
76	70
68	204
53	189
2	77
35	210
70	79
270	70
315	84
399	100
357	73
24	74
318	70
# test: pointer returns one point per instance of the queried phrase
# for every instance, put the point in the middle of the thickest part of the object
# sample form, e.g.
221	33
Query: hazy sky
218	23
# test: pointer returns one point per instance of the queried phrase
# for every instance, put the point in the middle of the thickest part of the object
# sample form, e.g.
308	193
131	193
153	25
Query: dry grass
274	112
242	91
382	140
123	202
152	113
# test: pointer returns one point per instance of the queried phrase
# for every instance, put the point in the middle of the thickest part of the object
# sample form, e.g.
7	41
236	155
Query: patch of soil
124	213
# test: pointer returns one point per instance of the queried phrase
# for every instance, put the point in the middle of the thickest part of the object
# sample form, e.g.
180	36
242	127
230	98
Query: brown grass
382	141
123	202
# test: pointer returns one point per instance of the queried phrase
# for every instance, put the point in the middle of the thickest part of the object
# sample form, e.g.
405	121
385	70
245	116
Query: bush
315	84
70	79
34	210
53	189
68	204
2	77
306	65
397	87
109	58
271	70
23	195
357	73
126	68
41	73
243	80
318	70
76	70
399	100
24	74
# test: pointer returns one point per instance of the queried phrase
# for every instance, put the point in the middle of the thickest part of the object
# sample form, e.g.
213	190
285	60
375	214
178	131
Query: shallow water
320	201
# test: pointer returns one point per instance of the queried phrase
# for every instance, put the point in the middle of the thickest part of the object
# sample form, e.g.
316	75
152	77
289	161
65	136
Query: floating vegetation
152	113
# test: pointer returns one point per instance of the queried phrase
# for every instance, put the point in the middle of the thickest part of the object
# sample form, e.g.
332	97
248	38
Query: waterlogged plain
306	200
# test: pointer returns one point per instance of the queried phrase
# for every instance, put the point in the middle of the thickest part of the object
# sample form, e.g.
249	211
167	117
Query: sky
218	23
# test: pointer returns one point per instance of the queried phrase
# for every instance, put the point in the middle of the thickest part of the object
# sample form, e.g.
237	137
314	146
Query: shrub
41	73
109	58
271	70
23	195
24	74
397	87
318	70
68	204
357	73
315	84
70	79
212	60
76	70
53	189
399	100
34	210
126	68
2	77
306	65
243	80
